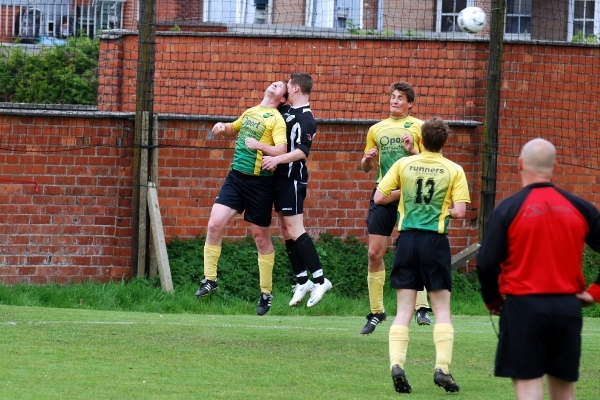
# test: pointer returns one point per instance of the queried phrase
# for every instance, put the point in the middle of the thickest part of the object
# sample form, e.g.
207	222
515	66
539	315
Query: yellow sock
265	269
443	338
211	259
421	300
375	282
398	345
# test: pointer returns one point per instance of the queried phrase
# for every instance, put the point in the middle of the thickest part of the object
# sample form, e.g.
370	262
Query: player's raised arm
270	163
276	150
224	129
369	159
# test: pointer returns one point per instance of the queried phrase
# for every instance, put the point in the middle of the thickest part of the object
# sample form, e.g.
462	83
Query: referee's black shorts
250	194
381	219
540	334
422	259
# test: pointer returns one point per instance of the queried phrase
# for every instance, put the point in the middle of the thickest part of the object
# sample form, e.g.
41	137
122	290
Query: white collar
305	105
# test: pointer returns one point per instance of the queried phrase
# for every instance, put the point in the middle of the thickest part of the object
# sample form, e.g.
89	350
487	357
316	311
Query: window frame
439	16
245	12
571	20
105	8
518	36
332	11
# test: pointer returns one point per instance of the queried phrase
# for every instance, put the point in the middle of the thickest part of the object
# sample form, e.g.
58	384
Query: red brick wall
179	11
78	225
223	75
370	12
338	194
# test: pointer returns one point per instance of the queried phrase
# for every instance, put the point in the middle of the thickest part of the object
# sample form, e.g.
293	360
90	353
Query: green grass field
52	353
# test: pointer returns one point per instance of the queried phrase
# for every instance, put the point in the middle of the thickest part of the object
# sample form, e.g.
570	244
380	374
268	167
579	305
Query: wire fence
213	58
75	76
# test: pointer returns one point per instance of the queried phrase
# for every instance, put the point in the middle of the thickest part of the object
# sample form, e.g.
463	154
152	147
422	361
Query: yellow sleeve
417	139
237	124
460	188
370	140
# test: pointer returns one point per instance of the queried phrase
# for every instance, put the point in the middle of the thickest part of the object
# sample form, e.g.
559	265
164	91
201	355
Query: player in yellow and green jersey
249	189
388	141
431	189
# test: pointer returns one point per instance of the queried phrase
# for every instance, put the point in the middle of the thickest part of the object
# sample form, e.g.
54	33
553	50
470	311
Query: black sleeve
493	251
592	216
307	130
494	246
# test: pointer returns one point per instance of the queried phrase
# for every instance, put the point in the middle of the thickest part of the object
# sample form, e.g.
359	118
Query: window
518	19
584	21
109	14
334	13
447	11
236	11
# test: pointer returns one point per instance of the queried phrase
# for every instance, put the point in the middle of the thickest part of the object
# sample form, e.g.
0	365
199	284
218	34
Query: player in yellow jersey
431	189
388	141
249	189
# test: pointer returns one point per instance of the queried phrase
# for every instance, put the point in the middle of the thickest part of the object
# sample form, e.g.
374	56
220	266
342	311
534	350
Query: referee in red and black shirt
529	267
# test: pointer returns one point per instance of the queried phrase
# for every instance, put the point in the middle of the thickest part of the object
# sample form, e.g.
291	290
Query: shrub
591	261
56	75
344	263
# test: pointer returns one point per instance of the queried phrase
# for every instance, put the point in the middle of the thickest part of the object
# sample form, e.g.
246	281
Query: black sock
301	280
308	252
295	258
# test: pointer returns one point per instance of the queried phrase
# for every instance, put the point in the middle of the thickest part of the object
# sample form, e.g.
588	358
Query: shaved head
537	159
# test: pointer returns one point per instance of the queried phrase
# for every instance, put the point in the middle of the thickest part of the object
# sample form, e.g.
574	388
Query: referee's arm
493	251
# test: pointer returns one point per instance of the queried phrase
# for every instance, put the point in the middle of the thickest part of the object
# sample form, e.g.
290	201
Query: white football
471	20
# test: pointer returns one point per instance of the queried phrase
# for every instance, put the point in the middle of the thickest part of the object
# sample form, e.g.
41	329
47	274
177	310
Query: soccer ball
471	20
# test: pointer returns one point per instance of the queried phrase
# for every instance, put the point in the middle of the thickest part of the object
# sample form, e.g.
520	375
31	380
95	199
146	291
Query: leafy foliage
580	38
344	263
354	29
56	75
238	267
591	263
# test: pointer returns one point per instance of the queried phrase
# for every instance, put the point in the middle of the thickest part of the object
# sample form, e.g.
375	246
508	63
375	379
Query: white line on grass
215	325
588	331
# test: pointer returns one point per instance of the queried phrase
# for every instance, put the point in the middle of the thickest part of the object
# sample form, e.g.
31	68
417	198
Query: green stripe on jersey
264	124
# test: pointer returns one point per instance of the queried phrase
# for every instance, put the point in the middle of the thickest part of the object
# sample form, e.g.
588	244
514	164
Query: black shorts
289	196
250	194
382	218
422	259
540	335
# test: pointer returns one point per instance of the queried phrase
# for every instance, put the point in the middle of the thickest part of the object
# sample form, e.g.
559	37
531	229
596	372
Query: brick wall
370	12
77	226
223	75
338	191
72	222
